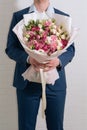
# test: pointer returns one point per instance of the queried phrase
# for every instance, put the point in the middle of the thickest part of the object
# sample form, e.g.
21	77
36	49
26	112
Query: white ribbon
43	81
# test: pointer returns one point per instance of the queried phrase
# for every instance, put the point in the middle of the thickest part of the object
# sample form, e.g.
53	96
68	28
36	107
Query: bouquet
45	38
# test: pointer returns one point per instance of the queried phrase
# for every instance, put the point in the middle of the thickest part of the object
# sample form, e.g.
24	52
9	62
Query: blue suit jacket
16	52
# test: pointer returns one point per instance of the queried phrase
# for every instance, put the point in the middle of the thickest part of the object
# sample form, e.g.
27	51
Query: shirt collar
49	11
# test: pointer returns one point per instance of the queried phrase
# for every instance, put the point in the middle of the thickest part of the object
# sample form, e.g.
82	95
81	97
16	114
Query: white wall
76	104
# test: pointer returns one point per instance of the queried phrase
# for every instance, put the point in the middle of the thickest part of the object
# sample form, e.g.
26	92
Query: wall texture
76	104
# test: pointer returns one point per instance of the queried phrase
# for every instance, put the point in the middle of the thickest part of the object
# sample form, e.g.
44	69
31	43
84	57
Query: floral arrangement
45	36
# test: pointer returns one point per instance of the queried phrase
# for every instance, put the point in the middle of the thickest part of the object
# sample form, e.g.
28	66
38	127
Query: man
29	93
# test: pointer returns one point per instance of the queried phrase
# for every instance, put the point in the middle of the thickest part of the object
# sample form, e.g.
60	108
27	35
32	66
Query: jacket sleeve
14	49
67	56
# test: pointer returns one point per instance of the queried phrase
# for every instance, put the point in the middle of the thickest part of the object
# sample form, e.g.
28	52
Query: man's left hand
51	64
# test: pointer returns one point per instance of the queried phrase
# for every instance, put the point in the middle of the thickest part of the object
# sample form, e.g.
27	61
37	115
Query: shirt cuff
28	60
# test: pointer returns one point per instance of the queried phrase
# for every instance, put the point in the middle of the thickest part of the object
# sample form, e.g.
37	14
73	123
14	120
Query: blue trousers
28	105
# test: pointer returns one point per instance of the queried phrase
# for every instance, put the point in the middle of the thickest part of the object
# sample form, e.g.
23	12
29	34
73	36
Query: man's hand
46	67
52	64
36	65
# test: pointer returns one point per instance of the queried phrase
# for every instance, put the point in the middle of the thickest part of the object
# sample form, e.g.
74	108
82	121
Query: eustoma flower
45	36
